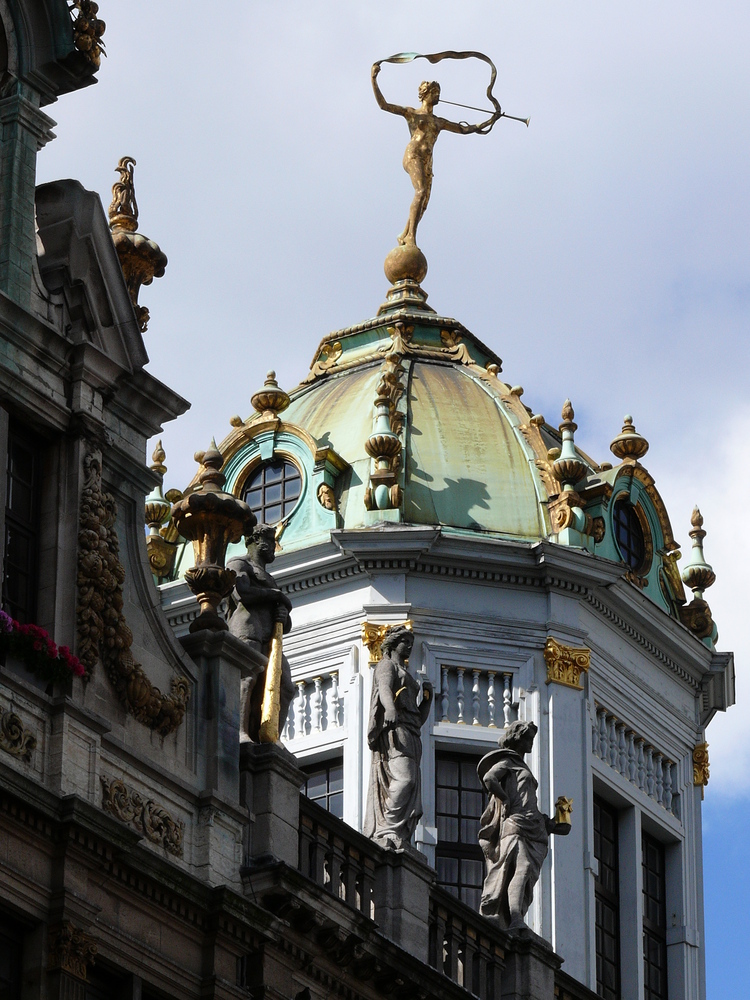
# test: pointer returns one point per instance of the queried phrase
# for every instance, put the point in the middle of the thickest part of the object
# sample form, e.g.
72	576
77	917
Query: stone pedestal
222	661
271	782
402	900
530	966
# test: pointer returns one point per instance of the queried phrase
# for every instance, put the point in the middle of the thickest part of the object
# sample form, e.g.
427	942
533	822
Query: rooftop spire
629	443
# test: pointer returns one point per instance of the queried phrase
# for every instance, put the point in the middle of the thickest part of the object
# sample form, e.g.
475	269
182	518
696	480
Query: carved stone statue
424	129
394	798
513	833
258	605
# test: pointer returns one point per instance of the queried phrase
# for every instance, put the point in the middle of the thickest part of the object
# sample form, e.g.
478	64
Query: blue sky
603	252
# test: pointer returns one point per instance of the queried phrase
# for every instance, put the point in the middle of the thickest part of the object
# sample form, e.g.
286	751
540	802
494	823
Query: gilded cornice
565	664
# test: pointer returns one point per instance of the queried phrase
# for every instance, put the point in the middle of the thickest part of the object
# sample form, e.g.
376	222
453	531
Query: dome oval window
630	535
272	490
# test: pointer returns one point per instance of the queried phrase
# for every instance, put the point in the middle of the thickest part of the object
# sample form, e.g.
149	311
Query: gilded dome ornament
629	443
569	467
270	401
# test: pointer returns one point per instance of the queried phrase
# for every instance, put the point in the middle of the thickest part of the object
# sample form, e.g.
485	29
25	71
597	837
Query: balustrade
469	696
317	707
636	760
462	946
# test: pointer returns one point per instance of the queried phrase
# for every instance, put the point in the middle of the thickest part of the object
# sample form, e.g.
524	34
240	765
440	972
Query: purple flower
6	623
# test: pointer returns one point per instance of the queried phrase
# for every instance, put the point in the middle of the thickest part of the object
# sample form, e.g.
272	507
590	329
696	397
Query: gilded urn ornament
212	520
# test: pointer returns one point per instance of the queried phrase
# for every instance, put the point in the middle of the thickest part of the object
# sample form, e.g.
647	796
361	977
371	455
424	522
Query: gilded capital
700	764
565	663
373	635
71	950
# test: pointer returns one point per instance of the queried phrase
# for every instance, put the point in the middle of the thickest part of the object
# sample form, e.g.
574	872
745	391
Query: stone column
25	130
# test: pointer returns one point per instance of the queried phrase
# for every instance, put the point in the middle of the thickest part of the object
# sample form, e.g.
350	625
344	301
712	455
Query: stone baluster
445	696
491	698
595	736
650	777
475	699
507	699
285	731
667	797
603	735
460	696
622	750
632	758
335	700
316	706
612	733
300	704
659	776
641	764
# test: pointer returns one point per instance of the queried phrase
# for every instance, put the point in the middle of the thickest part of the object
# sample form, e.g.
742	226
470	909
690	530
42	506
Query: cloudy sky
603	252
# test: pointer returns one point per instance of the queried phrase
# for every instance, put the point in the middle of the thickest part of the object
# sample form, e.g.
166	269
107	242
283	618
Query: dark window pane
271	514
274	471
336	804
607	897
447	773
273	489
460	801
324	784
654	919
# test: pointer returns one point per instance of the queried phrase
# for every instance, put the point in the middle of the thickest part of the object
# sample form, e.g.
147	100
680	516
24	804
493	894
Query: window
460	802
11	943
654	920
325	785
273	490
607	899
21	526
629	534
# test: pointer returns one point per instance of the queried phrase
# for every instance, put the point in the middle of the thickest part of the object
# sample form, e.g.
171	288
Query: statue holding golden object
406	261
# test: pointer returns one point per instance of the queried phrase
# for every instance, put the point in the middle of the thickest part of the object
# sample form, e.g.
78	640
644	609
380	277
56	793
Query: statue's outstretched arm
395	109
463	129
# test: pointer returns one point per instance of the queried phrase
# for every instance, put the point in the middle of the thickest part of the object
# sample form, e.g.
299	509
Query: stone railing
475	697
567	988
613	742
317	707
464	946
336	857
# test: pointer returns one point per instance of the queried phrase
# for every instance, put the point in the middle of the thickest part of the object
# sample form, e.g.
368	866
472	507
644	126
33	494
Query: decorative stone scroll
15	738
373	635
71	950
148	818
566	663
701	770
101	626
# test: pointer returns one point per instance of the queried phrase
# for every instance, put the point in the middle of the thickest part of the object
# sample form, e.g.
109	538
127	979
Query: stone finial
211	519
697	574
569	467
140	258
629	443
270	400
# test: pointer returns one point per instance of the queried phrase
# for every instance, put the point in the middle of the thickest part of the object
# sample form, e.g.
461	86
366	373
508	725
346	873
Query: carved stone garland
102	629
150	819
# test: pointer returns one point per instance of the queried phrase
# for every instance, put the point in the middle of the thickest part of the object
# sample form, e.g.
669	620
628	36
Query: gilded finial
270	400
697	574
629	443
569	467
88	30
158	458
140	258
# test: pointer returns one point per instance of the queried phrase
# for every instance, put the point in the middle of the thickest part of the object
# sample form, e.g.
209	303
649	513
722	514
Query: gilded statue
425	127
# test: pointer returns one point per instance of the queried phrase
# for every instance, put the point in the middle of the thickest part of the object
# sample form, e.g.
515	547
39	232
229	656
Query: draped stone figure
258	605
513	833
394	798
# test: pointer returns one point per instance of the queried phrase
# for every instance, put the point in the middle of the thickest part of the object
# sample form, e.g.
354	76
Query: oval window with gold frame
632	536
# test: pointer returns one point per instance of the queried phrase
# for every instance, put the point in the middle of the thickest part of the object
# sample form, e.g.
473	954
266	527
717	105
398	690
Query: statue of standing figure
259	605
514	833
394	798
424	128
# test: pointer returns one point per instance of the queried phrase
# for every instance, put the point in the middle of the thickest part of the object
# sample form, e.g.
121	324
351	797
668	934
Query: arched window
629	534
272	491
